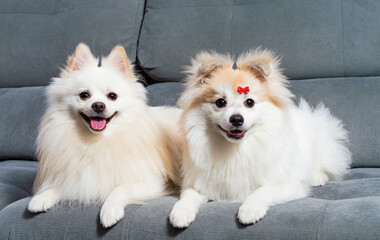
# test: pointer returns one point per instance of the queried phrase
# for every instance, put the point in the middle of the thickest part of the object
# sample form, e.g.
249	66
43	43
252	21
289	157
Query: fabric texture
315	40
162	94
348	209
37	36
22	109
16	180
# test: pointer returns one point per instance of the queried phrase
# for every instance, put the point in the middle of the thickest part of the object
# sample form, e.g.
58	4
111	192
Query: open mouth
97	123
235	134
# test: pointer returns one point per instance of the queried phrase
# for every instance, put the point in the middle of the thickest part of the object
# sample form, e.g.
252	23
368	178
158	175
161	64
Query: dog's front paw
181	216
40	203
251	212
318	179
111	214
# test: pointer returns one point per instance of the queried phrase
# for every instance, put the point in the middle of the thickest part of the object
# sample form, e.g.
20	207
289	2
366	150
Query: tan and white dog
99	142
247	141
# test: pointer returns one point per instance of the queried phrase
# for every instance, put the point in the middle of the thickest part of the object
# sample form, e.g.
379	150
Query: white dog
247	141
99	142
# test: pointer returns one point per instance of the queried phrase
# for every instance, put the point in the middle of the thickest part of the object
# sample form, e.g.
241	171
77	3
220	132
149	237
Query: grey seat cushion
339	210
16	180
348	209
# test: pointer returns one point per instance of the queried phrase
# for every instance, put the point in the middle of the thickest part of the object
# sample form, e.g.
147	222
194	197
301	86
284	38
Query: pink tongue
236	132
98	123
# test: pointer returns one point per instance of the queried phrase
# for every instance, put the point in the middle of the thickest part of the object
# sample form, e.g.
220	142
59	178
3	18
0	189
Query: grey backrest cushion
316	38
36	36
21	110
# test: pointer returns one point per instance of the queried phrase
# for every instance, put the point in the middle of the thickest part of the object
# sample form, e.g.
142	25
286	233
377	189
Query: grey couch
331	53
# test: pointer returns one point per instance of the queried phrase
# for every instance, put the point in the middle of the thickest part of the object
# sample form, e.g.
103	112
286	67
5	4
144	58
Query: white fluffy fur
286	147
130	161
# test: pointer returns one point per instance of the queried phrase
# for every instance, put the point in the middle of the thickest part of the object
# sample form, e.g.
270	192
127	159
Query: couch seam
144	76
321	221
130	222
134	26
139	33
343	52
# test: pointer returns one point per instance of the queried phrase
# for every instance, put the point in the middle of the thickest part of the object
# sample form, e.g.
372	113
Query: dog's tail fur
331	154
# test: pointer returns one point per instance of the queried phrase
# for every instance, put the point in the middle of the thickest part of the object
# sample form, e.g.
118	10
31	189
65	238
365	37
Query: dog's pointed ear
204	64
80	57
118	58
261	63
265	66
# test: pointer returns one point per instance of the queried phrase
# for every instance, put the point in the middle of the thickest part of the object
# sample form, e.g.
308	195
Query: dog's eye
112	96
220	103
249	103
84	95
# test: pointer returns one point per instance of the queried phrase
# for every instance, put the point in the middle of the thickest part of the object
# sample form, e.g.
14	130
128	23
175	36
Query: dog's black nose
98	107
236	120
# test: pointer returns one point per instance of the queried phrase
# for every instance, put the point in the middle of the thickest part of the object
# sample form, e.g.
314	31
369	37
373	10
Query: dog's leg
113	208
185	210
44	200
257	204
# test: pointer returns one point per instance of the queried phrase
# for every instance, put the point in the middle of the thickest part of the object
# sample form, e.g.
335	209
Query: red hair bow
243	90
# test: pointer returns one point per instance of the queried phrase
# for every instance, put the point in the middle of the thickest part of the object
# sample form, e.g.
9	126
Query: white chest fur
222	170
